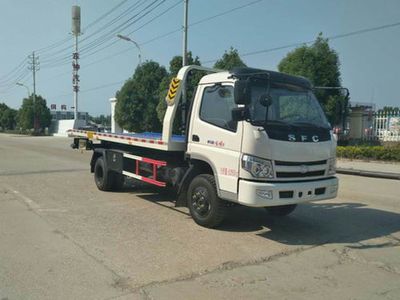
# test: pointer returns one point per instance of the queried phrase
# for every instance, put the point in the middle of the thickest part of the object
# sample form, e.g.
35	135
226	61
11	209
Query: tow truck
252	137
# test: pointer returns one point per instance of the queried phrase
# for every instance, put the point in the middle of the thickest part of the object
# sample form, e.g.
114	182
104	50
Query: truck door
215	138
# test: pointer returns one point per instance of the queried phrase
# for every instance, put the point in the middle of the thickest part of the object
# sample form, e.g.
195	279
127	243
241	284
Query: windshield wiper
309	124
264	123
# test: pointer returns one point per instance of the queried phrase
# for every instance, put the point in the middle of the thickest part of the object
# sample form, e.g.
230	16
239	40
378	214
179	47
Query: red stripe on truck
153	161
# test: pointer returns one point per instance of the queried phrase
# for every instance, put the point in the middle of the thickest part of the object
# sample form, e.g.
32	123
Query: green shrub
369	152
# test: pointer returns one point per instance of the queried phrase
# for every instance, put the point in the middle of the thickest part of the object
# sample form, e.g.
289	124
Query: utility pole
76	31
185	31
34	66
184	104
75	77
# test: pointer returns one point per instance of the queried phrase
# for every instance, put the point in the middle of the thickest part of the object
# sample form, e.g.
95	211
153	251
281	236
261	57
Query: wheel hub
200	201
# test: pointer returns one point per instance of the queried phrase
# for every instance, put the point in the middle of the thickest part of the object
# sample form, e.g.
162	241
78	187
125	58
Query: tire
281	210
205	207
102	177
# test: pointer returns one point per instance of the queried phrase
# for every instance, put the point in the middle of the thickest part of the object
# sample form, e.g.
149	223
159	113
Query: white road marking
52	210
31	203
28	201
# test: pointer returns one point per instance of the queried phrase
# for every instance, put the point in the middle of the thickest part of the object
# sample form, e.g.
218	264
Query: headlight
332	166
257	167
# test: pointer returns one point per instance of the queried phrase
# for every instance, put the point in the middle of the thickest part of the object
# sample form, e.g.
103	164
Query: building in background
57	115
63	120
365	123
360	120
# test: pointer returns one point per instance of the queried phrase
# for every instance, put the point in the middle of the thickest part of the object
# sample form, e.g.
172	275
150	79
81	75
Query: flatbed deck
151	140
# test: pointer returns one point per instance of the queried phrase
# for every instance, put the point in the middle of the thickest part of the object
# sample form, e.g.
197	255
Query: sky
370	61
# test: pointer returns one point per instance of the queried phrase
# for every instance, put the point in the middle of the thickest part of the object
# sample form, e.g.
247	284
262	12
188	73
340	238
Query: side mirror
242	92
239	114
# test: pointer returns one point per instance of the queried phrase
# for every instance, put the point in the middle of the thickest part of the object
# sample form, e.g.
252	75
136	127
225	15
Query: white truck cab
253	137
276	154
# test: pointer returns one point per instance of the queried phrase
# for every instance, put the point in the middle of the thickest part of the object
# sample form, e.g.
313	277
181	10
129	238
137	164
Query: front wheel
206	208
281	210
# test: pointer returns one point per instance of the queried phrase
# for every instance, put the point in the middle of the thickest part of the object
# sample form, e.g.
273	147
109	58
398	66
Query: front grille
295	163
299	174
299	169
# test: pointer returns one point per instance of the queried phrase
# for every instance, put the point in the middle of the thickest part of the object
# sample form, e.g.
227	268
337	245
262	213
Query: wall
60	127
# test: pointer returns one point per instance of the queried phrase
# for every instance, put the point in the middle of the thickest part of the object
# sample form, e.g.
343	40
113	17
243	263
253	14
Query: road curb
374	174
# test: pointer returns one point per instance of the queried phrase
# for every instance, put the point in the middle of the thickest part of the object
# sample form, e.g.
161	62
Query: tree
28	110
320	64
3	107
138	98
8	117
390	109
193	79
230	59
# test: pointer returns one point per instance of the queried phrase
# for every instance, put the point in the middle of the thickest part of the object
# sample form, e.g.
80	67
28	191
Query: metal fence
385	127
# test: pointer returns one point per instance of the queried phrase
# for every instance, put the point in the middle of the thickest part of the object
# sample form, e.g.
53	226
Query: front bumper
261	194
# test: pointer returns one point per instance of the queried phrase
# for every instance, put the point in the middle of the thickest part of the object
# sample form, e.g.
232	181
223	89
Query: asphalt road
61	238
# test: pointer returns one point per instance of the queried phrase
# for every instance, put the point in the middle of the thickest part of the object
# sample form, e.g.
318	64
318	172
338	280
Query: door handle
195	138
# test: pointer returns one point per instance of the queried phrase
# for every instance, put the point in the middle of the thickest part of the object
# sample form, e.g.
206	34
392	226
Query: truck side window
216	107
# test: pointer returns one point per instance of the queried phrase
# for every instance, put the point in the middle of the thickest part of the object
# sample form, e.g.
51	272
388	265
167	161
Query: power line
63	54
132	8
52	46
333	37
63	41
91	49
91	89
12	84
105	15
352	33
225	12
174	31
17	74
50	62
148	9
202	21
156	17
143	25
161	36
8	80
106	37
15	70
103	86
364	30
107	57
95	62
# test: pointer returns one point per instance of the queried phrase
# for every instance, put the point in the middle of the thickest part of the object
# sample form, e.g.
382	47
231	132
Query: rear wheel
281	210
206	208
107	180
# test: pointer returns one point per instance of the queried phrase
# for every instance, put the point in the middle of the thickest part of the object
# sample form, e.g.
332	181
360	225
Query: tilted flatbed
147	139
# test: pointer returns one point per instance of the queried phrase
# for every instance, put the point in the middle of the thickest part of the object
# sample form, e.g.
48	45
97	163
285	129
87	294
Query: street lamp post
127	38
25	86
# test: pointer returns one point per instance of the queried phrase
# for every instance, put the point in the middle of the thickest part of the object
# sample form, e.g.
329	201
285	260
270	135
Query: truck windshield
288	105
